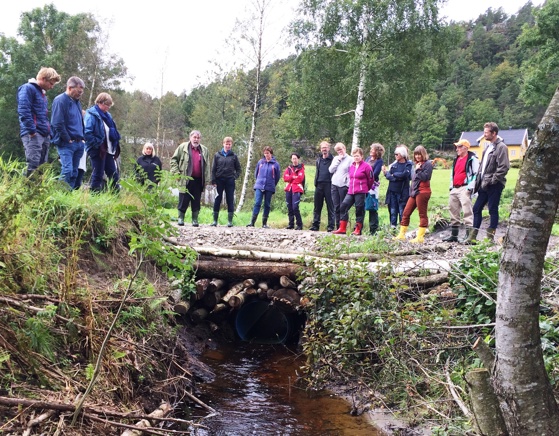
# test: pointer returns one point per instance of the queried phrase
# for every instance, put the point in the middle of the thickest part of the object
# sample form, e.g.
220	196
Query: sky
174	46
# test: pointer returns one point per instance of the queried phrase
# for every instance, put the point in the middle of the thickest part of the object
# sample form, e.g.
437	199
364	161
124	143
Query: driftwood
163	410
485	405
239	269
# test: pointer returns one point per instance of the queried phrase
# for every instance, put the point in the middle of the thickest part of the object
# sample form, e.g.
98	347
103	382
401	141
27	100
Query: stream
254	393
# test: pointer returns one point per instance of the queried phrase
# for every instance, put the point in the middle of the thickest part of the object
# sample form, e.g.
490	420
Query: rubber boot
466	235
252	220
180	220
216	216
195	218
230	219
291	224
342	230
265	222
453	236
402	235
472	237
490	235
357	231
420	237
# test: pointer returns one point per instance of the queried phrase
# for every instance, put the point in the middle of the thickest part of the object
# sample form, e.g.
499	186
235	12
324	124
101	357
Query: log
216	285
211	299
201	287
287	294
485	405
199	315
219	308
163	410
286	282
234	290
251	291
182	307
263	285
240	269
248	283
237	300
175	295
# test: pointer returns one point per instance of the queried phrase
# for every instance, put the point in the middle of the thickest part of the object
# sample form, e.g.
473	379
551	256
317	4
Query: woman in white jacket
339	168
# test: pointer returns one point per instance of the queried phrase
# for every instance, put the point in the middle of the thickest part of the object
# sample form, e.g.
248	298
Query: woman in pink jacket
360	182
294	177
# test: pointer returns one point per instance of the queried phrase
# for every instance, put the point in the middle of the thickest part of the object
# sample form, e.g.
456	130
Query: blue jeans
70	154
227	185
491	196
100	166
396	203
258	196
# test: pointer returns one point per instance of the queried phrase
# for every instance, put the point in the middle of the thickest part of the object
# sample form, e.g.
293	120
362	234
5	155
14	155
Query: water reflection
254	394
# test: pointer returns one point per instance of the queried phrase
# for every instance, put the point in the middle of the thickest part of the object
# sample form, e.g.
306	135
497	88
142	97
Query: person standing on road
360	182
398	175
376	162
294	177
462	184
339	168
490	181
191	162
68	129
267	175
226	168
420	193
32	109
323	188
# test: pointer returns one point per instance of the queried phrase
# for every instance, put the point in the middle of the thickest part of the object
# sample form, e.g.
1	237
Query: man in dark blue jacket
32	109
68	129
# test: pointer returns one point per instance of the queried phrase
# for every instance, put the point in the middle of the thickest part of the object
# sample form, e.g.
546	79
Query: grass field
438	204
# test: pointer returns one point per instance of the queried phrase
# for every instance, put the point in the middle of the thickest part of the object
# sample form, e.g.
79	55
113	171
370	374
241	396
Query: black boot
291	224
466	235
230	219
265	222
195	218
453	237
216	216
252	220
180	221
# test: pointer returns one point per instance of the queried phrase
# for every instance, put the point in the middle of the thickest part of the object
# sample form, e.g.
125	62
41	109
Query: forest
420	83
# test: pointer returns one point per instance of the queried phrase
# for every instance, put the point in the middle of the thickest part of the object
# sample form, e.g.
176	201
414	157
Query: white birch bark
360	106
520	378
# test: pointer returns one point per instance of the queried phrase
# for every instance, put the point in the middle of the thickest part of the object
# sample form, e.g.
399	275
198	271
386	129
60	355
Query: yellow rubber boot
420	235
402	235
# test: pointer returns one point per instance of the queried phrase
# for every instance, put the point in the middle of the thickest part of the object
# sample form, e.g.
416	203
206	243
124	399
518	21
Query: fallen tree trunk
240	269
163	410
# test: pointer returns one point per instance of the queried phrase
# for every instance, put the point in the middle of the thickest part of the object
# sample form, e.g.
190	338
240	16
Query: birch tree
520	378
375	33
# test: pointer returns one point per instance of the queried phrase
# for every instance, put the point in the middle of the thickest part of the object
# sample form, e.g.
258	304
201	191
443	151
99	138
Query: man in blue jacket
68	129
32	109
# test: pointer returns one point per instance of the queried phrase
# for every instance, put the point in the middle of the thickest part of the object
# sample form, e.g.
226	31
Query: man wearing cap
462	184
490	181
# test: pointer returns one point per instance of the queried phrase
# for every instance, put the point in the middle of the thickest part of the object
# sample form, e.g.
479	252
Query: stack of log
217	295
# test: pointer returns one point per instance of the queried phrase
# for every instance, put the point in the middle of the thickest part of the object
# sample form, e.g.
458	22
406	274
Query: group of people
341	181
75	132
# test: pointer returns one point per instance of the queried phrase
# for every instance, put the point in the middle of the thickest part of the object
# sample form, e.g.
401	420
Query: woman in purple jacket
360	181
267	175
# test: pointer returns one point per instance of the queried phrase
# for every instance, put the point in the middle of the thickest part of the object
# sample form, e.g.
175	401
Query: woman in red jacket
360	182
294	176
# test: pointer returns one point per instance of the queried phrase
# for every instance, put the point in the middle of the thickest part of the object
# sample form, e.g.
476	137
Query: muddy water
254	393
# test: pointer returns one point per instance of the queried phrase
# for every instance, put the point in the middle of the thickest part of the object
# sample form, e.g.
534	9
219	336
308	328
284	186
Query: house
516	140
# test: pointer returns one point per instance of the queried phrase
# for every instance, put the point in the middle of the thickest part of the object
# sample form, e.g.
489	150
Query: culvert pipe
262	322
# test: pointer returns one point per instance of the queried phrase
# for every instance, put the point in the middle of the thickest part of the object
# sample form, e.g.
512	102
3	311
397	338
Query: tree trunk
239	269
488	418
520	378
360	106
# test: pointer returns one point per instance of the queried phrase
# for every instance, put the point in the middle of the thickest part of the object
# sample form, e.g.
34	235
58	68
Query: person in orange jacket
294	177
